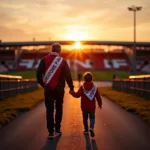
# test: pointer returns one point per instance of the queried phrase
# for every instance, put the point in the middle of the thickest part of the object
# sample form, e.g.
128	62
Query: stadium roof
41	43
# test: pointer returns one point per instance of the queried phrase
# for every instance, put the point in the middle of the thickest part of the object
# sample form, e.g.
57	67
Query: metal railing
141	77
12	85
139	85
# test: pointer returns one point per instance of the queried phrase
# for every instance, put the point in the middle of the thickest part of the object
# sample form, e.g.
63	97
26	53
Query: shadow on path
51	144
90	144
94	145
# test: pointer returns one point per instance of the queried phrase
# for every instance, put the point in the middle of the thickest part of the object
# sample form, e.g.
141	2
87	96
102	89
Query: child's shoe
58	131
92	132
85	132
50	136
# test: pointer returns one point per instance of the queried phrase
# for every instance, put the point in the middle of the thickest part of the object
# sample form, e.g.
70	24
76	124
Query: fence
12	85
139	85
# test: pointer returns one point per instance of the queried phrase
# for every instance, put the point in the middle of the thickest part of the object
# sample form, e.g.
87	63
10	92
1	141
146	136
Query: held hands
71	92
100	107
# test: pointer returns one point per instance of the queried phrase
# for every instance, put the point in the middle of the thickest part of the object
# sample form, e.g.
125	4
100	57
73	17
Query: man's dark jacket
64	75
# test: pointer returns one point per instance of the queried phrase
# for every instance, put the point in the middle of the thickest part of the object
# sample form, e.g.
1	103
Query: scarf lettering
52	69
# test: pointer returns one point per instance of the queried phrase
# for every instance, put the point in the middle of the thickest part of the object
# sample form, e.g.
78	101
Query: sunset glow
77	46
76	36
71	20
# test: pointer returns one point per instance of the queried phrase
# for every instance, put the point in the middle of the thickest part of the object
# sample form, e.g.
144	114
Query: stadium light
134	9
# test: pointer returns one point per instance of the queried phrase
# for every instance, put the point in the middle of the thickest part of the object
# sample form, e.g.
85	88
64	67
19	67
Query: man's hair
56	47
88	76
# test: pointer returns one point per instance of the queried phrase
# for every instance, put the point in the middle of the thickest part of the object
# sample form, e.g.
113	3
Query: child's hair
88	76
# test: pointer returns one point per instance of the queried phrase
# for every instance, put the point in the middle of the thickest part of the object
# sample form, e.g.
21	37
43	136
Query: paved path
115	129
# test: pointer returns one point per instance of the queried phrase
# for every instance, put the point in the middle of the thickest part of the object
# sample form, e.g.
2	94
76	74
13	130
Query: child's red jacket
86	104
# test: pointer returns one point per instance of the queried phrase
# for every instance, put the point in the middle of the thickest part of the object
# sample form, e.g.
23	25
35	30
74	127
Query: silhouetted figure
89	94
51	74
114	76
79	77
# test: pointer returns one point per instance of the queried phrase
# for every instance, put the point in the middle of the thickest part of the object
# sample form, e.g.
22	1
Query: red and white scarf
52	69
91	93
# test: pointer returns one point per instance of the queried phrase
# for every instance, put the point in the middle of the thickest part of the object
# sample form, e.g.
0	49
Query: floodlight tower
134	9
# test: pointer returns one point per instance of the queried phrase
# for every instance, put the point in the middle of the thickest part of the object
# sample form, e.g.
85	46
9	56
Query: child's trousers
91	115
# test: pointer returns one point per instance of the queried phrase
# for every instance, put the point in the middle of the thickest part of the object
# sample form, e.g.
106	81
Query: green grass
129	102
25	74
107	75
98	75
11	107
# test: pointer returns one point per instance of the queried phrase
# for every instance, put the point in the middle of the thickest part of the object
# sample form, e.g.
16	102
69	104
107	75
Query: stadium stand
7	58
112	60
104	61
3	69
143	60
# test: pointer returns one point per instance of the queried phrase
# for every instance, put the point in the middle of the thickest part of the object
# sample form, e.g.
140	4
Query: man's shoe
51	136
92	132
57	131
85	132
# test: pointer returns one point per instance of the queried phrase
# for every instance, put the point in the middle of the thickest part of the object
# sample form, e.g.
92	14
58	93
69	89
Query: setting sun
76	35
77	45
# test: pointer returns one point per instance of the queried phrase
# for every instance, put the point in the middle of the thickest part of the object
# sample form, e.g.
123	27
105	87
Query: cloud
44	17
9	34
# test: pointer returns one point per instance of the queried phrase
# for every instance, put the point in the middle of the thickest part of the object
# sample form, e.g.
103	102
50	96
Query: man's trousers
54	101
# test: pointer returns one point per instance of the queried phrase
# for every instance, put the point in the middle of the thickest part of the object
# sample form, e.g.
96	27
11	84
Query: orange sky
21	20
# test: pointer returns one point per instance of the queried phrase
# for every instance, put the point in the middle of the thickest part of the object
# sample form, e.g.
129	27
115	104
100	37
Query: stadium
84	55
74	75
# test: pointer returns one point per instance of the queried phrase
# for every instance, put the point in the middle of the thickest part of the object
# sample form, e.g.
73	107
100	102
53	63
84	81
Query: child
88	92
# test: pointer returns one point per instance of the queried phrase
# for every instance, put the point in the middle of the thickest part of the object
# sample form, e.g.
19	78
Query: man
79	78
51	74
